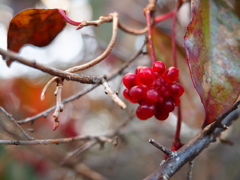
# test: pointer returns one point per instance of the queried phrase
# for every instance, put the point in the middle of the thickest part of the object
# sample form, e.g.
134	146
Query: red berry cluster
154	90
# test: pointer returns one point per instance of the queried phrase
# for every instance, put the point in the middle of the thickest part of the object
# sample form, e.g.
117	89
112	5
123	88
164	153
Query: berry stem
178	128
150	41
177	143
174	18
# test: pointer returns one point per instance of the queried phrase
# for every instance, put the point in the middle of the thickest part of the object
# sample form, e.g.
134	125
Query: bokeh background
95	113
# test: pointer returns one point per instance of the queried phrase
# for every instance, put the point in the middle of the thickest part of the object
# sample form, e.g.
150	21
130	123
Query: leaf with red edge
213	52
192	113
34	26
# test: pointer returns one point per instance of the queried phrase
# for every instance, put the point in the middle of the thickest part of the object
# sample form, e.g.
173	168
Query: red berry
137	92
176	89
138	68
151	96
129	80
145	111
160	99
146	76
127	96
161	114
171	74
157	83
168	105
159	67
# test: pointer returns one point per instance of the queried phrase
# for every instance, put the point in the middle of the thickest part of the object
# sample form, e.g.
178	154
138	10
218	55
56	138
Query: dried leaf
213	51
34	26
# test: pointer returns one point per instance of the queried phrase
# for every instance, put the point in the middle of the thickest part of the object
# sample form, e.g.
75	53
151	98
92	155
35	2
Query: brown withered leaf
34	26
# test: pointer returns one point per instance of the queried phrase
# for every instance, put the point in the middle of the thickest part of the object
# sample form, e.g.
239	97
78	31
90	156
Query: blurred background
95	113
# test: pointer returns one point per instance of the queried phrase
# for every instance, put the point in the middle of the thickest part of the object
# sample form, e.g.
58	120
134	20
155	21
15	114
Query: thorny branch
194	147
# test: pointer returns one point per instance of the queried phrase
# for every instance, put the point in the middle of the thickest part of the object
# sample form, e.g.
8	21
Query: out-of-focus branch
108	76
14	121
193	148
98	138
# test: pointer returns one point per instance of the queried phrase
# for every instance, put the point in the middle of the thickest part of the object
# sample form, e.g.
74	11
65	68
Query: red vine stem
150	41
177	143
174	18
163	17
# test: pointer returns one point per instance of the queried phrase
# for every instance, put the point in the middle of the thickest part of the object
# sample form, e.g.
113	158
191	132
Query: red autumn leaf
34	26
213	52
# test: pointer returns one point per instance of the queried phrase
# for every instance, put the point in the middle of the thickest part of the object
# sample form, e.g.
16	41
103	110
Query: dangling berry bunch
154	90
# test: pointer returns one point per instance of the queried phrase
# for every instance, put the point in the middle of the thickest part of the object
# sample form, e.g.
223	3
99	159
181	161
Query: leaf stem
67	19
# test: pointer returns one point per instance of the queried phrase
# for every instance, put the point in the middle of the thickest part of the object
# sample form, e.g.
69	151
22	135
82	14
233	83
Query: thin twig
49	141
78	151
95	61
165	150
109	77
131	30
101	20
59	105
112	94
190	170
14	121
99	138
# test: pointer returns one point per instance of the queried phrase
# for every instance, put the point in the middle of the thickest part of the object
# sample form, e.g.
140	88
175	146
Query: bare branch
14	121
112	94
190	170
190	150
131	30
165	150
114	17
108	76
86	79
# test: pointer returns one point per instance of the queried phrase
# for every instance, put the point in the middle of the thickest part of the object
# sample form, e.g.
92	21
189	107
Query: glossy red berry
151	96
146	76
137	92
145	111
127	96
168	105
159	67
129	80
154	90
176	89
161	115
171	74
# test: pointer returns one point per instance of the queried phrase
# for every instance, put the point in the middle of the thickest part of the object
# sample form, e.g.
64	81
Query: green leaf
212	43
